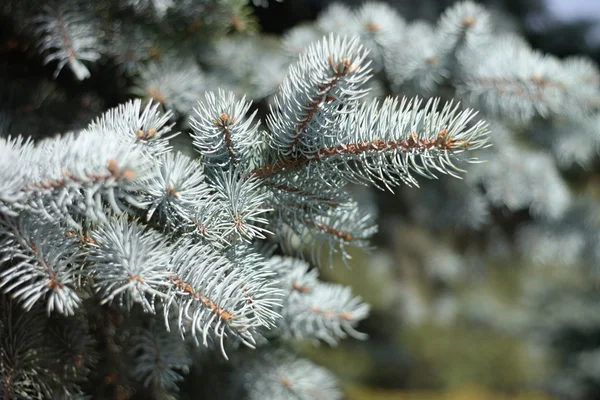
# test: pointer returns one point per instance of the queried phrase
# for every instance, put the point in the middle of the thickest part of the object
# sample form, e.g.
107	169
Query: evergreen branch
265	302
243	216
279	166
234	211
327	312
415	63
280	375
316	310
388	142
509	78
75	174
159	358
294	275
131	125
300	197
380	28
329	74
12	177
424	59
345	225
41	260
465	25
129	263
212	295
172	82
24	354
330	230
337	17
113	172
70	36
222	131
317	228
521	179
185	287
176	189
207	224
338	72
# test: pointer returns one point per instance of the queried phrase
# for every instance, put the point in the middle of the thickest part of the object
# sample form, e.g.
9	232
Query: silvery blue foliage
251	66
243	213
11	178
42	268
423	71
157	7
128	123
112	215
78	33
176	189
287	378
336	230
530	96
175	83
423	140
315	310
65	31
72	176
216	299
128	263
222	132
326	77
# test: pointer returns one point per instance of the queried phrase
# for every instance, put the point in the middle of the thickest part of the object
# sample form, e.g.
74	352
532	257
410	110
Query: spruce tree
178	236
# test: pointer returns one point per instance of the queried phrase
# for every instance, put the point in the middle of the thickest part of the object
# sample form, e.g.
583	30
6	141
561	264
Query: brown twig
411	144
223	122
340	70
114	173
345	236
187	288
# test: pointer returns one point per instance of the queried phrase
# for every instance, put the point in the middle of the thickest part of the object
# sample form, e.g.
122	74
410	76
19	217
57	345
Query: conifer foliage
543	111
156	251
112	214
127	265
